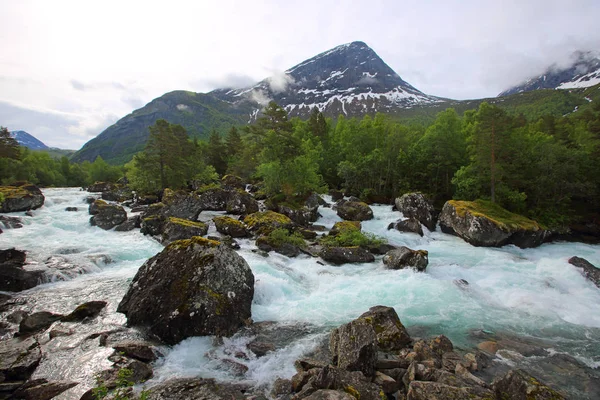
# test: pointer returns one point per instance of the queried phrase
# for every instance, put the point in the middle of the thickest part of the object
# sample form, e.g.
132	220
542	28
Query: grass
281	236
498	215
352	238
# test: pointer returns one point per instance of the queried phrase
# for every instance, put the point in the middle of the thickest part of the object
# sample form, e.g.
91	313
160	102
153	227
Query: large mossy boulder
346	255
230	226
353	347
302	211
240	202
21	196
193	287
354	210
264	222
345	226
416	205
177	229
105	215
519	385
483	223
391	335
403	257
181	204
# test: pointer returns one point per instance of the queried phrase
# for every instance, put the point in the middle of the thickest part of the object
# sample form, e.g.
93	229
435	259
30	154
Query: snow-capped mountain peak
27	140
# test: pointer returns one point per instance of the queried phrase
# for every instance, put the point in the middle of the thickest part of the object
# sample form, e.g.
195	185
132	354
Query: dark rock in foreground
415	205
193	287
404	257
21	196
589	270
482	223
13	278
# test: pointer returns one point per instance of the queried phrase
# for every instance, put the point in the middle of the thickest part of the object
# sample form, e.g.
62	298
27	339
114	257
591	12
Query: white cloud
279	81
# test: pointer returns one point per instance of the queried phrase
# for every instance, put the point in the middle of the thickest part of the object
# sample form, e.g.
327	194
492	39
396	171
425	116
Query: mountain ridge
28	140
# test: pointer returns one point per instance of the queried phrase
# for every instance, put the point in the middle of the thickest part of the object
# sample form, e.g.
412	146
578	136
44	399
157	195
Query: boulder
519	385
403	257
407	225
106	216
71	209
38	321
419	390
354	383
91	309
240	202
390	333
13	278
130	224
344	226
213	198
19	358
196	388
267	243
98	187
193	287
265	222
589	270
179	204
10	222
139	350
21	196
153	225
177	229
416	205
41	389
302	216
119	193
232	182
482	223
346	255
354	347
354	210
231	227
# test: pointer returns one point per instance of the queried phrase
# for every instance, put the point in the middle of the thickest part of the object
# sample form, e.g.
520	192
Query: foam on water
532	293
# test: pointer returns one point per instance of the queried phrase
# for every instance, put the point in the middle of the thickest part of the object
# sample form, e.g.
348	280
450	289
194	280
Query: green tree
9	147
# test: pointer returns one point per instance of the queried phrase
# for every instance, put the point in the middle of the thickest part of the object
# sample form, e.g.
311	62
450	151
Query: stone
355	383
41	389
193	287
390	333
387	383
231	227
354	347
345	226
11	222
38	321
21	196
336	195
91	309
519	385
19	358
72	209
142	351
240	202
488	346
265	222
178	204
438	391
98	187
354	210
345	255
328	394
589	270
407	225
106	216
416	205
177	229
259	348
196	388
130	224
403	257
13	277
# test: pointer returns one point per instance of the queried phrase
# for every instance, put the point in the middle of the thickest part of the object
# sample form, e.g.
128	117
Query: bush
351	238
281	236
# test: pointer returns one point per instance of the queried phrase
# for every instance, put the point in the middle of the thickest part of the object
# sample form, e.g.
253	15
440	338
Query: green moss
352	238
228	221
267	218
206	188
222	303
279	237
345	226
13	192
186	243
351	390
496	214
186	222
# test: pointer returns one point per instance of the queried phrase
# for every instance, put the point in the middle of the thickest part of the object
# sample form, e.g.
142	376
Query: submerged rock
193	287
415	205
38	321
21	196
354	210
106	216
91	309
11	222
482	223
589	270
404	257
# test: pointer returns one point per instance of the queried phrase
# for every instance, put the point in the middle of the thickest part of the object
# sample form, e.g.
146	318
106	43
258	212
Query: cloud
78	85
259	96
367	80
227	81
280	81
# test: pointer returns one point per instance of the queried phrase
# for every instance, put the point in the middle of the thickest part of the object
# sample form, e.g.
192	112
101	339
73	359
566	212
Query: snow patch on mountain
27	140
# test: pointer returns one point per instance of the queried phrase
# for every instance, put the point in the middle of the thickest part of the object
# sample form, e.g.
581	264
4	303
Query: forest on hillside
543	168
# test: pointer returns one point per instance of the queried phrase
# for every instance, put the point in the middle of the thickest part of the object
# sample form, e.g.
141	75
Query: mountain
350	79
582	71
27	140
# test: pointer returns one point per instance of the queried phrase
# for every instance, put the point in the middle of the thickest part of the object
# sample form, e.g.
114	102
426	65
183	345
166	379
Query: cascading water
533	293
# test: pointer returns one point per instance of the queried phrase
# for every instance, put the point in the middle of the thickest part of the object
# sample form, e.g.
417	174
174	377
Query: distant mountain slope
27	140
584	71
350	79
197	112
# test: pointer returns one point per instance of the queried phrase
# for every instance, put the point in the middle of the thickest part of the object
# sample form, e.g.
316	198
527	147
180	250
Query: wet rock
260	348
404	257
407	225
589	270
231	227
265	222
41	389
328	394
281	387
177	229
354	210
106	216
38	321
10	222
416	205
354	347
438	391
240	202
345	226
306	364
13	278
179	204
390	333
16	317
345	255
19	358
119	194
519	385
196	388
193	287
488	346
267	243
91	309
213	199
72	209
98	187
303	216
142	351
468	221
140	371
355	383
21	196
130	224
152	225
336	195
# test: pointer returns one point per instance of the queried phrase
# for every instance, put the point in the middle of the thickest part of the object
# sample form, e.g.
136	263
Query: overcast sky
69	69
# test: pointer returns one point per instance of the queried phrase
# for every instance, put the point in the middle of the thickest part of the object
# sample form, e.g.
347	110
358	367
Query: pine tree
9	147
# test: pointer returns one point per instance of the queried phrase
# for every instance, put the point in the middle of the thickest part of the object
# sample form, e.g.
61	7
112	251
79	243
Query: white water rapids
530	293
